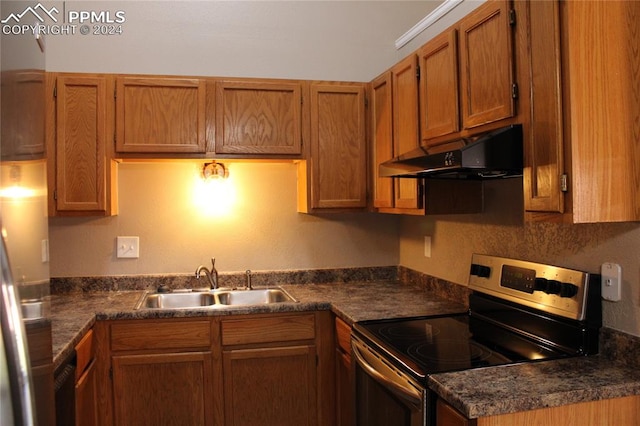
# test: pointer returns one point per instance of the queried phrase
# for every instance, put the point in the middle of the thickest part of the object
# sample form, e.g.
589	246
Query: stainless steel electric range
519	311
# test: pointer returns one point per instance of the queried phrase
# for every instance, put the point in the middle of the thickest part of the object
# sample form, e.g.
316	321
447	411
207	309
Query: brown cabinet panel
86	393
258	117
160	115
23	114
381	111
163	389
581	150
276	328
344	390
486	65
543	140
439	111
337	177
404	82
82	129
270	386
161	334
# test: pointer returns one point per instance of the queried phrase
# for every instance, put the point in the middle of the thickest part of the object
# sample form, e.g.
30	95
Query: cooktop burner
428	345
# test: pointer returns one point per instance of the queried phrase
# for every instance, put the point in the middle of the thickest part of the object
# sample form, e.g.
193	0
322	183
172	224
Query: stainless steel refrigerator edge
26	367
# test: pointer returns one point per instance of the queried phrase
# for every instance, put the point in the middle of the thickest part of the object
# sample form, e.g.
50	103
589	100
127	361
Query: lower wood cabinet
86	404
270	386
345	402
612	412
268	369
163	389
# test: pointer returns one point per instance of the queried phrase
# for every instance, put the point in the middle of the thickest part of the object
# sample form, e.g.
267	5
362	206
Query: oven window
376	405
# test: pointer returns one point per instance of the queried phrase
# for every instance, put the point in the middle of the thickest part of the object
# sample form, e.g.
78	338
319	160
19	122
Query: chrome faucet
212	275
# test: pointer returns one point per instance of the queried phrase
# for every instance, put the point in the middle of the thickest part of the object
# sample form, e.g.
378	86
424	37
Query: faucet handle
213	264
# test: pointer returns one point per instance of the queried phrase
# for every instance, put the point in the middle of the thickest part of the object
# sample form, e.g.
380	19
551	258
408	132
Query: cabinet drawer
343	335
85	352
169	334
281	328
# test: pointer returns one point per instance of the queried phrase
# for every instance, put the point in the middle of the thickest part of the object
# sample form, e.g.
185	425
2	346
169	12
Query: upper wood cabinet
381	111
486	65
334	176
258	117
23	115
439	106
160	115
405	123
394	128
581	134
84	175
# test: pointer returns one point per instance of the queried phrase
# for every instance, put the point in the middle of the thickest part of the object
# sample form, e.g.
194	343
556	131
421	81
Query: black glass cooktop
428	345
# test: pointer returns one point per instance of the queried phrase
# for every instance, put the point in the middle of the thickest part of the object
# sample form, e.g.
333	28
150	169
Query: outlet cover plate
611	281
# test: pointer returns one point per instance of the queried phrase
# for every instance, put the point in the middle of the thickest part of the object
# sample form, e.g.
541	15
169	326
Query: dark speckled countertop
475	393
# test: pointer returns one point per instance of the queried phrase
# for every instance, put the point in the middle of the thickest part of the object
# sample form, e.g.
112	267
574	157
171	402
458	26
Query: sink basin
214	298
176	300
253	297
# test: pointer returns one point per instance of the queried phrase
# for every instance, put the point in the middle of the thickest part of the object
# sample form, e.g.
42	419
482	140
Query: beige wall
262	231
325	40
501	231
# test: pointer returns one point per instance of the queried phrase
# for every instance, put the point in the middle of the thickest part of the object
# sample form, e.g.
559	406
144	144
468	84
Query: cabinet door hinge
110	373
55	195
115	93
514	90
418	72
564	182
366	102
512	17
55	89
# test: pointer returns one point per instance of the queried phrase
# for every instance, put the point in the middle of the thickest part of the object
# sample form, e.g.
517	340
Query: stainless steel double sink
214	298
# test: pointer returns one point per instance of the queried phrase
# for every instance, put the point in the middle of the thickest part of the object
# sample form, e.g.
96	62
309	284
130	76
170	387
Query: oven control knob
548	286
568	290
480	270
553	287
540	284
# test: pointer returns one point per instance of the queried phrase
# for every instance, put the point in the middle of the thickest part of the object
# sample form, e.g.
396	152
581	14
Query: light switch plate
127	247
611	281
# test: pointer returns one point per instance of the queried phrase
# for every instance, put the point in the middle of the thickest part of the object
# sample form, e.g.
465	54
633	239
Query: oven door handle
376	368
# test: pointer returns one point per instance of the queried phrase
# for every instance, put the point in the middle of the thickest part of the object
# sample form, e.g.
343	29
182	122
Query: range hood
496	154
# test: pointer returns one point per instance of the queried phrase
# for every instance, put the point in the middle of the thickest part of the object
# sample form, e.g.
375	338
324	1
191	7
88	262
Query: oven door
384	395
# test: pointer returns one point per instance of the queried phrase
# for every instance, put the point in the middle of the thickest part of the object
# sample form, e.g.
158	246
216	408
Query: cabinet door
544	141
486	65
382	138
270	386
82	131
23	115
344	390
163	389
338	146
439	110
86	408
404	82
254	117
446	415
160	115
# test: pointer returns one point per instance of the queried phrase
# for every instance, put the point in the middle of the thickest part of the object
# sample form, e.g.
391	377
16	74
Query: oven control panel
553	289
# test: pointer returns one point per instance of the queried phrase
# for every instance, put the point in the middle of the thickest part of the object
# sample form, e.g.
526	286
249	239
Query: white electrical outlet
611	281
127	247
427	246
